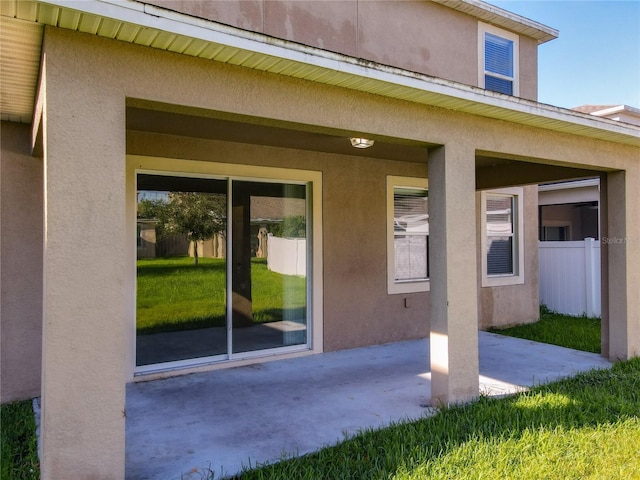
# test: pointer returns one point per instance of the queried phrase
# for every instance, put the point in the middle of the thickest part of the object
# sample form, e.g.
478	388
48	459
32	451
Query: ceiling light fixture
361	142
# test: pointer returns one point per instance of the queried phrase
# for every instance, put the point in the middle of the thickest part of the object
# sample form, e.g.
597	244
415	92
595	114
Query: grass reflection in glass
174	294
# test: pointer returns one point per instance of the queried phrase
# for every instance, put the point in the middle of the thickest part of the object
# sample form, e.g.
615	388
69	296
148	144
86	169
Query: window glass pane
500	232
569	221
500	256
498	55
269	273
411	257
411	234
499	215
181	269
183	276
498	85
410	211
554	234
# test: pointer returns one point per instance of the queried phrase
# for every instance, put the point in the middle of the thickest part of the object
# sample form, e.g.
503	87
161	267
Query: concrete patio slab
227	419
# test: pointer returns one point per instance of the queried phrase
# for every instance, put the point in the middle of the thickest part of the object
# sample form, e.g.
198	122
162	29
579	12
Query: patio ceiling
191	122
491	171
135	22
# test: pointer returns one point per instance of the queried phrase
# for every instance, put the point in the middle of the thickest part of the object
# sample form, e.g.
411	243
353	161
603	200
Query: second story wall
528	68
420	36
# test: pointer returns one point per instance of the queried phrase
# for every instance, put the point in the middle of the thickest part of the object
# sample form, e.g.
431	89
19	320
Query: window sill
408	287
502	280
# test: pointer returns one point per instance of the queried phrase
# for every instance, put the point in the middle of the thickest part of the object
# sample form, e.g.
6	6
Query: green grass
586	427
175	294
18	444
579	333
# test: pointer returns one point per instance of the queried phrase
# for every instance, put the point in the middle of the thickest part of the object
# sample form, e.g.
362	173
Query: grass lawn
175	294
586	427
579	333
18	444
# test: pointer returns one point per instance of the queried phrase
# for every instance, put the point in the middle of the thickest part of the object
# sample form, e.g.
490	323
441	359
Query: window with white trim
502	240
498	60
407	235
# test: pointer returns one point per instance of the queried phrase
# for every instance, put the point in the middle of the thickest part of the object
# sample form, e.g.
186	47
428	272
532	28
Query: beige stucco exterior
106	103
419	36
75	102
21	273
622	238
84	320
351	239
453	310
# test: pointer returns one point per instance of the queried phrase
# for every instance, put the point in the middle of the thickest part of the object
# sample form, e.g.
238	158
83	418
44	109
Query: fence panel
172	246
287	255
570	277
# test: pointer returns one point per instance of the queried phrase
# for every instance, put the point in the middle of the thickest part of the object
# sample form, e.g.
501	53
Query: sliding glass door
221	268
268	275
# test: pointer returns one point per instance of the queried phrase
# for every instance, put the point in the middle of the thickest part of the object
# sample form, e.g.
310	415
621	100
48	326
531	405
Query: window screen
500	235
498	85
498	64
411	234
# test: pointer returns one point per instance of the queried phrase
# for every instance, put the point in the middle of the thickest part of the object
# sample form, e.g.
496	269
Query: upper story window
407	235
498	60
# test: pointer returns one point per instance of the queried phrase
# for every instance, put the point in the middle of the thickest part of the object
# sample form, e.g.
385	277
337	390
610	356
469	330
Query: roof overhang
135	22
618	109
503	18
622	113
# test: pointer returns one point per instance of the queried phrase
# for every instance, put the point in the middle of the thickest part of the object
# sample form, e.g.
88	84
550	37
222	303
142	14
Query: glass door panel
268	284
181	269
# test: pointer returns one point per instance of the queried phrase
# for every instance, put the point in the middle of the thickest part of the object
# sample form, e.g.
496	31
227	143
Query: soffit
20	43
134	22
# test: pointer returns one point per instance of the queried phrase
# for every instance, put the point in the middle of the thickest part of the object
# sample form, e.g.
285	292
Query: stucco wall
357	309
86	290
419	36
528	68
21	259
224	88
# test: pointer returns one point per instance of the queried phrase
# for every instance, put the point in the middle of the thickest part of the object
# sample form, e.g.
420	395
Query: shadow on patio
225	419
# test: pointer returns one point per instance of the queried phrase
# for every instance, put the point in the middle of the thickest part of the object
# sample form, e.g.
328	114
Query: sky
596	58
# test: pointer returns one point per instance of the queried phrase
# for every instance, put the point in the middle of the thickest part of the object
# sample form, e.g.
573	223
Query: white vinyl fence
287	255
570	276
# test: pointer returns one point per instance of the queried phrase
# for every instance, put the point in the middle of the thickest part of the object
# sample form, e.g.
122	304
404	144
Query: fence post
589	273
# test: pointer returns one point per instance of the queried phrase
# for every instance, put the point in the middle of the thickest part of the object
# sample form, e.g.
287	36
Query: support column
86	286
623	245
453	273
